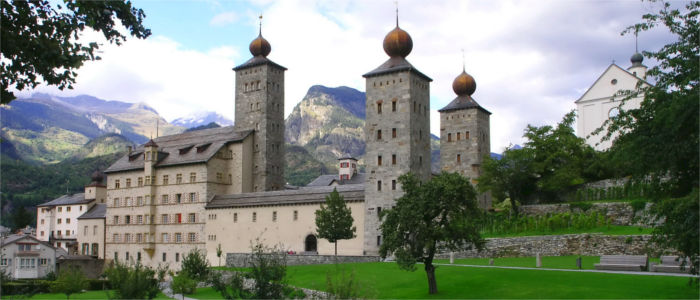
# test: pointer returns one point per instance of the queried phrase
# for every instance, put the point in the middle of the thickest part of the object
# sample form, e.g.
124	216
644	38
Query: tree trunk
336	248
432	283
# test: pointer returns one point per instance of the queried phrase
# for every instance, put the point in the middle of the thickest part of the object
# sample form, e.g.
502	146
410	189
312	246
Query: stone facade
397	135
260	107
560	245
242	259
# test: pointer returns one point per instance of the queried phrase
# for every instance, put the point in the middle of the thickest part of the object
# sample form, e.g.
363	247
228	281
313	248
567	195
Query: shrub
132	281
98	284
26	288
183	284
70	281
583	206
638	205
195	265
342	284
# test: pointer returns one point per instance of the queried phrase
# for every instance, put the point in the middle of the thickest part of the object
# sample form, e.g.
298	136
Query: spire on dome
398	42
637	57
260	46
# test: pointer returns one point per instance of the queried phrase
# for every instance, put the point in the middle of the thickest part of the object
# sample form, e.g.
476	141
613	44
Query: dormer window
185	149
203	148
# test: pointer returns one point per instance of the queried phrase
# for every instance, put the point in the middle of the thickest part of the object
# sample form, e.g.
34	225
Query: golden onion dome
398	43
464	84
260	46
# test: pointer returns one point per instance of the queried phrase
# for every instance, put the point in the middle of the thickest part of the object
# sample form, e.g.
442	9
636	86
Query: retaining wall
241	259
620	213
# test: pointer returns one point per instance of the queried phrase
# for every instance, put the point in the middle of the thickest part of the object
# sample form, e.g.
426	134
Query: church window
235	217
379	185
449	137
379	134
393	133
128	182
393	184
255	216
177	257
466	135
459	136
178	178
251	106
116	184
379	107
459	158
140	181
393	105
296	215
393	159
379	160
193	177
274	216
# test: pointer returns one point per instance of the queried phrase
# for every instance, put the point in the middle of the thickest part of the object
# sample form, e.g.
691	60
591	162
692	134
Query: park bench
671	264
622	263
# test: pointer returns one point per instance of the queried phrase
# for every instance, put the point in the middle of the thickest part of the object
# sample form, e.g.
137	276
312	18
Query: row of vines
504	223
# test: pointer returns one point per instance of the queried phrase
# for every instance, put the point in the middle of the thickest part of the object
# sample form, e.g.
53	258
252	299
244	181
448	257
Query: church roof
395	64
98	211
185	148
463	102
326	180
611	66
68	200
258	61
313	195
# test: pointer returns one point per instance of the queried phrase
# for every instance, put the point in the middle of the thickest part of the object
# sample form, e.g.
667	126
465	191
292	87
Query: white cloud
224	18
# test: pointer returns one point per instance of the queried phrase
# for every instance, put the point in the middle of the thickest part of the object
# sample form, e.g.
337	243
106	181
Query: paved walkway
575	270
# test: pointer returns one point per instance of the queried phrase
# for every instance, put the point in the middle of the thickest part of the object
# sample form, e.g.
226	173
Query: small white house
24	256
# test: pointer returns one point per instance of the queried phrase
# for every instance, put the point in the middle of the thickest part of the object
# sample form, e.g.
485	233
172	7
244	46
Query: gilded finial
396	4
464	69
260	24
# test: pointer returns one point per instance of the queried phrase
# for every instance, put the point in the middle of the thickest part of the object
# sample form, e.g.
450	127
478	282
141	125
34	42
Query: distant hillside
47	129
103	145
201	127
202	119
301	167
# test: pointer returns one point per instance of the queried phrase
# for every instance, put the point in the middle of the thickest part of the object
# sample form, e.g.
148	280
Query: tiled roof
351	192
463	102
326	180
17	237
185	148
257	61
98	211
67	200
395	64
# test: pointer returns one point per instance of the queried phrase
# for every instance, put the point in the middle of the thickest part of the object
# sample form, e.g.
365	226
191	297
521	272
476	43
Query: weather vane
260	23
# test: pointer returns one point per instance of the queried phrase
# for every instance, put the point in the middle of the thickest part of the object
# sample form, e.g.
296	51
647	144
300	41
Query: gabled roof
98	211
463	102
209	141
395	64
257	61
68	200
14	238
613	65
350	192
326	180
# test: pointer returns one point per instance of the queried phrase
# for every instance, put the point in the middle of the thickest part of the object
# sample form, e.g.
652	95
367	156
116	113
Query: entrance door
310	243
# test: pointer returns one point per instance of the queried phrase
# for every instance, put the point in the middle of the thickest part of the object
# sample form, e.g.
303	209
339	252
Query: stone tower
465	134
397	130
260	107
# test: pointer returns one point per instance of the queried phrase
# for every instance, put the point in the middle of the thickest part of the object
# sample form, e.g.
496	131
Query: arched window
310	243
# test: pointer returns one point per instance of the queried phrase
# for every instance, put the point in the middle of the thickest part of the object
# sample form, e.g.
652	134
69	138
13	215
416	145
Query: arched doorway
310	243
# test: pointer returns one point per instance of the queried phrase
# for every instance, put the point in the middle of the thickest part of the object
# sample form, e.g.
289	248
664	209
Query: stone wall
241	259
91	267
620	213
560	245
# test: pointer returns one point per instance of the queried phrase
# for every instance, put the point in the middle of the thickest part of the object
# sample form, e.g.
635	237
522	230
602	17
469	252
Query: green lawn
607	230
386	280
86	295
205	293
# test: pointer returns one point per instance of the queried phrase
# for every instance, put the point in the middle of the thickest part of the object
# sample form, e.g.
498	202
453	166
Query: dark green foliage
659	140
334	220
132	281
195	264
70	281
98	284
41	41
583	206
183	284
442	211
680	227
638	205
233	288
25	288
504	223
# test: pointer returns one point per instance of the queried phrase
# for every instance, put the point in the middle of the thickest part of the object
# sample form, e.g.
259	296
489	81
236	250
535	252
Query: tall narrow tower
397	130
260	107
465	134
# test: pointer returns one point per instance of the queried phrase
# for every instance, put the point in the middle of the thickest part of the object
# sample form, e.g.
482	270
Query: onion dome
398	43
260	46
97	176
464	84
636	59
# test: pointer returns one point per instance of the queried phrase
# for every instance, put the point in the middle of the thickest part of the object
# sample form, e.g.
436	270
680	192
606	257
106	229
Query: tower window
379	160
379	107
466	135
274	216
459	136
459	158
393	105
235	217
255	216
393	185
449	137
296	215
393	133
379	185
379	134
393	159
414	106
420	160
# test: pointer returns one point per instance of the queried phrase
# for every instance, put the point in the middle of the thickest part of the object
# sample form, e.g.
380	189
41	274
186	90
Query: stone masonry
242	259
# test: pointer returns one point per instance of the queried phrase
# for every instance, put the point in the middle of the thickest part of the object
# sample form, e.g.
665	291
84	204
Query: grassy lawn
205	293
607	230
85	295
386	280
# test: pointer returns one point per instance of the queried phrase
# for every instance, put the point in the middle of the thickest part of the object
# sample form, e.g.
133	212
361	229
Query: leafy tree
70	281
510	177
132	281
183	284
677	228
196	265
41	39
659	140
441	212
334	220
218	253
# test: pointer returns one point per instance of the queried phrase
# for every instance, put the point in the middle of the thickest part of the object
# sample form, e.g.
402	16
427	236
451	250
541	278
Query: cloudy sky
531	58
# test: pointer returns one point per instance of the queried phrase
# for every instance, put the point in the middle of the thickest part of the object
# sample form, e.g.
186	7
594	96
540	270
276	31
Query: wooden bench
671	264
622	263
